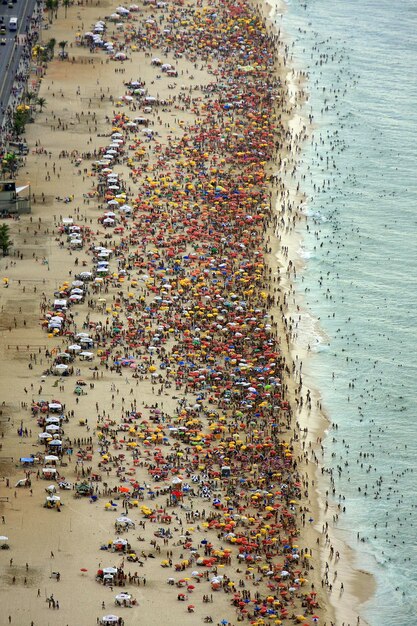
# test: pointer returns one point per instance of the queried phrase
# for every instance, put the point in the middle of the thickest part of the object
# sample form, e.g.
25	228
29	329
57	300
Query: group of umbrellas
191	311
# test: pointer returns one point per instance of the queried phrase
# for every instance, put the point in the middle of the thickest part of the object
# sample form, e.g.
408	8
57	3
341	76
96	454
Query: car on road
3	41
2	30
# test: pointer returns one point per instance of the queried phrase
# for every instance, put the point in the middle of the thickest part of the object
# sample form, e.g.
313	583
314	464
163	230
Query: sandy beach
164	217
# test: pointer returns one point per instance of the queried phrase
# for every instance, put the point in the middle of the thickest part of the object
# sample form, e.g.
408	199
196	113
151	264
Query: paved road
10	54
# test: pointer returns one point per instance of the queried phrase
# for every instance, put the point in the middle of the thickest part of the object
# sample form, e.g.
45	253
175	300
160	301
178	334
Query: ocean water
359	283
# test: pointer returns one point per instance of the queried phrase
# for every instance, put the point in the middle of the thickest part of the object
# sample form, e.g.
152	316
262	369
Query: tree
20	119
50	6
66	4
9	163
62	45
5	241
29	96
50	49
41	102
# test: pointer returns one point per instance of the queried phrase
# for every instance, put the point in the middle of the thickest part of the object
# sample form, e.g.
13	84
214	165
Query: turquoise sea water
360	276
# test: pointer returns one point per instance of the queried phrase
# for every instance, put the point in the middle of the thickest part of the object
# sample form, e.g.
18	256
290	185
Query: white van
13	23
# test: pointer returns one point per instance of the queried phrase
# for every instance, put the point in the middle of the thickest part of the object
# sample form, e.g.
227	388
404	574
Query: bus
13	23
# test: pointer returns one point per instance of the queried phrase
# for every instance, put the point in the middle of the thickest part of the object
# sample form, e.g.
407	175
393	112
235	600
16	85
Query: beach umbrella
123	596
120	542
110	619
3	538
74	348
86	354
61	367
109	570
57	319
51	457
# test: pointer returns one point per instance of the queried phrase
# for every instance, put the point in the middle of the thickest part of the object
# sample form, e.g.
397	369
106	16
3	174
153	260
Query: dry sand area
240	530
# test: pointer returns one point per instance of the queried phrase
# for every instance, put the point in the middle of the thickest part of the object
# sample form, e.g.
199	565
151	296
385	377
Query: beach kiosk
14	200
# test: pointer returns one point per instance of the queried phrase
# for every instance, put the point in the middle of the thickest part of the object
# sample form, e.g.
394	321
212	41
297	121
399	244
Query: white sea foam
303	253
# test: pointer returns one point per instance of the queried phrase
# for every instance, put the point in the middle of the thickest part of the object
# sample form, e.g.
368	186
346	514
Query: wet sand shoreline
358	585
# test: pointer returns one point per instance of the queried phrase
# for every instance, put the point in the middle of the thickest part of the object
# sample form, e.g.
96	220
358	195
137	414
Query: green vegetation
9	164
41	102
20	119
66	4
62	45
52	8
5	241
